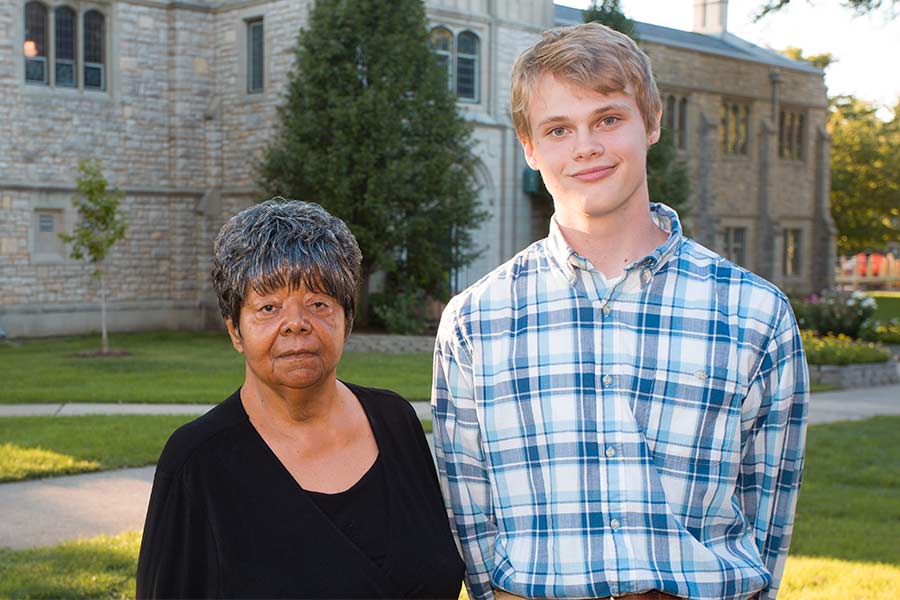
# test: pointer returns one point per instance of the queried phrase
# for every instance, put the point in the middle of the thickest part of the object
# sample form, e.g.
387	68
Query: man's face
590	148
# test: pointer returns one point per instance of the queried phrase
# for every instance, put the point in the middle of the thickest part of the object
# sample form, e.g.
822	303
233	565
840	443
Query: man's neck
612	241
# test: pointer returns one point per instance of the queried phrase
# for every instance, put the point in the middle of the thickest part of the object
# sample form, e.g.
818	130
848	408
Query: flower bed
838	360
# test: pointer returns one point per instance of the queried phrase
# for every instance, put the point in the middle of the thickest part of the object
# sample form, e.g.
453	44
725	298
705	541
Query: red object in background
869	266
861	263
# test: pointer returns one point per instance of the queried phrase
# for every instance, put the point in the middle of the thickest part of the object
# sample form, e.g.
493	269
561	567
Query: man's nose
587	145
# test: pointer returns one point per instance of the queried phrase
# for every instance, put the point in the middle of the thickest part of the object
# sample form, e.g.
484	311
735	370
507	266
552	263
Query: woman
298	484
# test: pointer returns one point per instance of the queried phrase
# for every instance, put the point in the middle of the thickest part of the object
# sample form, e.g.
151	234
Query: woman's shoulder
198	435
385	403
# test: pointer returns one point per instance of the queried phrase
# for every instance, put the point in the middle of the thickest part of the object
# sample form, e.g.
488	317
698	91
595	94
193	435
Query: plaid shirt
595	442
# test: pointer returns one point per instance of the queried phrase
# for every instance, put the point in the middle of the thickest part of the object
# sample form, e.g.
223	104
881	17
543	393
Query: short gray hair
285	243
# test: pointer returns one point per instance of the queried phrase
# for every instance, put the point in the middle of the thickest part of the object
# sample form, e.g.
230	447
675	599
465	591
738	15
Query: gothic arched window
467	66
94	50
442	46
66	28
35	47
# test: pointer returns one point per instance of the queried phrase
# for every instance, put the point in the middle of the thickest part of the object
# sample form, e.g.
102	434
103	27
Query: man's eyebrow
612	107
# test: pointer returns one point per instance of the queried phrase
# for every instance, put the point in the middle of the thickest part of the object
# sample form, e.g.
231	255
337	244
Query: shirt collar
663	217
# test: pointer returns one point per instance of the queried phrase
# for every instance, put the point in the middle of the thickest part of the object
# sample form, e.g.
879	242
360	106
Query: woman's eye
267	308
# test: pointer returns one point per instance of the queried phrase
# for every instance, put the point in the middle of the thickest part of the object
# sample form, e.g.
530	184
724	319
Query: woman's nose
295	320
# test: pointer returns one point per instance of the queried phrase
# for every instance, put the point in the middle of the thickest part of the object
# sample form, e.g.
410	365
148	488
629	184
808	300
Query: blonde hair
590	55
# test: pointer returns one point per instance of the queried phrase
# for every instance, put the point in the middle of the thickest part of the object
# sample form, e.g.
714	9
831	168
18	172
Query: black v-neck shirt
227	519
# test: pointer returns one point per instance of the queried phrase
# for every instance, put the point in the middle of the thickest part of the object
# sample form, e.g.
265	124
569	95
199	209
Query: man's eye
609	121
558	131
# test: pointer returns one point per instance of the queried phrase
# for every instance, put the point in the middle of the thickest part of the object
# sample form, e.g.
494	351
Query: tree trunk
104	337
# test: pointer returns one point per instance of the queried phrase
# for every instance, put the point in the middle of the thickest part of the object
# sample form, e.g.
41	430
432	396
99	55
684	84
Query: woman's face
290	338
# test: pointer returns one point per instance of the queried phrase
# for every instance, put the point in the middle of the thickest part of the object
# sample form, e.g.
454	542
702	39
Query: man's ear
653	136
234	335
528	149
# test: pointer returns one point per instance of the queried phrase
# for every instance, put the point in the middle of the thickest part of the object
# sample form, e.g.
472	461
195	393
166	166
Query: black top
360	512
226	519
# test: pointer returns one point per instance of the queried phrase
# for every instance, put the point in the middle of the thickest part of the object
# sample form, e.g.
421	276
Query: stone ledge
389	344
856	376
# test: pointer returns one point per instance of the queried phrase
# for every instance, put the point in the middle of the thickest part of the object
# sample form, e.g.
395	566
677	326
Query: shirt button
607	380
610	452
701	375
606	311
614	524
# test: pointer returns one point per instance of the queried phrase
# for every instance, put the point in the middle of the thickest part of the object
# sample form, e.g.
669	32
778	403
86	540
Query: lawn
888	305
171	367
32	447
848	521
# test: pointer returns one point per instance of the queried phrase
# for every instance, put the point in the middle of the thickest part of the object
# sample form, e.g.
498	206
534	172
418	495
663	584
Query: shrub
886	333
834	312
840	350
401	313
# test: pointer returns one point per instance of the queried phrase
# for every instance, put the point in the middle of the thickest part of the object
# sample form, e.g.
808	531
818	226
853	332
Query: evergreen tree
370	131
667	176
609	13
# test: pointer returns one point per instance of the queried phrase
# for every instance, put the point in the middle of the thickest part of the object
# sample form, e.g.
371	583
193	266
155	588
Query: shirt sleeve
178	557
461	463
773	446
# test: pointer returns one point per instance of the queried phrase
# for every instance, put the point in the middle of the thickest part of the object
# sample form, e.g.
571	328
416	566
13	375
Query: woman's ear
235	335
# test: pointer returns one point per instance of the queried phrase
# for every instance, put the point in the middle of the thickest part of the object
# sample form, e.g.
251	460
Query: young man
618	411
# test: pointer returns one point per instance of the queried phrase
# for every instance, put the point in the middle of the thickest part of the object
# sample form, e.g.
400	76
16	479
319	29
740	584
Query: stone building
178	98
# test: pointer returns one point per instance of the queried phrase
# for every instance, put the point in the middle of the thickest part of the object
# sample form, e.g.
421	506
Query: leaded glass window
467	66
66	32
35	47
94	50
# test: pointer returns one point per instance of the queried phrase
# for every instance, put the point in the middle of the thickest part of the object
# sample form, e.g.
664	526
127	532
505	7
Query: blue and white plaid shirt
594	442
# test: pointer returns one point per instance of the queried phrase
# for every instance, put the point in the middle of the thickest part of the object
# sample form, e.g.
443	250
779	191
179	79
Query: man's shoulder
496	288
704	266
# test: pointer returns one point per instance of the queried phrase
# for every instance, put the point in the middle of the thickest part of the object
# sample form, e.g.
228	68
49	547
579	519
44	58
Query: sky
867	48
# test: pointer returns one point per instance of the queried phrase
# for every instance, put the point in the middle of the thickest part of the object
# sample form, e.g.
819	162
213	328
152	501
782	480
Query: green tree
100	225
865	175
609	13
820	61
667	176
860	7
370	131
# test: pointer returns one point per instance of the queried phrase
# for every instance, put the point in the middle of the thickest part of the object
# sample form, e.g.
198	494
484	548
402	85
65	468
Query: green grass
101	567
888	305
849	506
32	447
848	522
171	367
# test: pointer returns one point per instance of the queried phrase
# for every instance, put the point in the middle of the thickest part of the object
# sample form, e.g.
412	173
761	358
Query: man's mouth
594	173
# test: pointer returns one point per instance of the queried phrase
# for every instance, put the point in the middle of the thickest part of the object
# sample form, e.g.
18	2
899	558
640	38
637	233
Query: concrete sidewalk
423	409
48	511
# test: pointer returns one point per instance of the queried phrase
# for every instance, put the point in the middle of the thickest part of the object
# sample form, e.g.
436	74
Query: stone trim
856	376
389	344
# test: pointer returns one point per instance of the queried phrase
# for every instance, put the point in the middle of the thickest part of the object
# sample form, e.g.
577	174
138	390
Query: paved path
47	511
